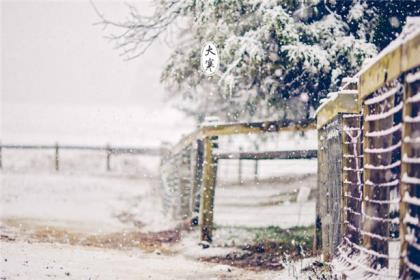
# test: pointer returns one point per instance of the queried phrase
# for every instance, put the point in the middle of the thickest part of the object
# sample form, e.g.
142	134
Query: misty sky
53	54
61	81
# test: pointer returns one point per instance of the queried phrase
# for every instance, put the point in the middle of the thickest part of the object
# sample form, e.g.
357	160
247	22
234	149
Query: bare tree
137	33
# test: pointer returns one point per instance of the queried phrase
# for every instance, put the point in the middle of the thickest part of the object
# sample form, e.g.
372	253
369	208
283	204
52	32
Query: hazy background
62	81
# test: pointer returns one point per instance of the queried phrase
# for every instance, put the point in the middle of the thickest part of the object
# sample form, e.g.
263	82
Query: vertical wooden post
256	166
207	191
192	169
108	157
1	158
198	164
317	244
56	158
345	165
240	167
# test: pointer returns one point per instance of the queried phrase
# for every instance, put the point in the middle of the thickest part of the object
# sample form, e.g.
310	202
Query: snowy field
91	125
48	217
60	261
84	190
83	222
261	205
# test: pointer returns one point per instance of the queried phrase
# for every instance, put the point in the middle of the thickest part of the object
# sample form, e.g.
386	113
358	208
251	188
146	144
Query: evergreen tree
277	58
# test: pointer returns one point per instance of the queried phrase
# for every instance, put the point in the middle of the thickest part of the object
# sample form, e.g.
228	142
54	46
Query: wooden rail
113	150
56	147
202	145
208	133
216	129
295	154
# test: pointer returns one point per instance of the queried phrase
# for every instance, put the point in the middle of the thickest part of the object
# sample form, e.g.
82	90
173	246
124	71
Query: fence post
319	203
240	167
197	163
256	165
207	191
56	158
108	157
329	220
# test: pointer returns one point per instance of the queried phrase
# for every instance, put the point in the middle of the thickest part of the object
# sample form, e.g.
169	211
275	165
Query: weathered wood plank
268	155
207	192
210	130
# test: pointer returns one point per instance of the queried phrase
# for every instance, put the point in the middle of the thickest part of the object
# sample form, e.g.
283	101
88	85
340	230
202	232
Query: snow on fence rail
379	160
109	150
188	169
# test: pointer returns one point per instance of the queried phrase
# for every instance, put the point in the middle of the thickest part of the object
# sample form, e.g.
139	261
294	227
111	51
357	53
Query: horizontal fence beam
224	129
269	155
256	127
112	150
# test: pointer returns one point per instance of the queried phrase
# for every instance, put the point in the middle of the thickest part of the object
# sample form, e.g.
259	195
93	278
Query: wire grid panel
177	183
371	243
352	180
381	193
410	178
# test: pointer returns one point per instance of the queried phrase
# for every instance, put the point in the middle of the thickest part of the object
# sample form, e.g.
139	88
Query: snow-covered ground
76	202
228	170
46	218
83	222
262	204
22	260
43	215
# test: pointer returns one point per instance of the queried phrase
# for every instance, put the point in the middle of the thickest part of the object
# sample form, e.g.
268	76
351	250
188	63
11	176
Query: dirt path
78	227
22	260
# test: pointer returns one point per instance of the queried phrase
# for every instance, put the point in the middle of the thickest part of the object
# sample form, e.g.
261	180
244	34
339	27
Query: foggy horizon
61	57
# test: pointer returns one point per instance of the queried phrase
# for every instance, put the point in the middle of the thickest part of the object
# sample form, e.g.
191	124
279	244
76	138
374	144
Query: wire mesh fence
410	178
381	171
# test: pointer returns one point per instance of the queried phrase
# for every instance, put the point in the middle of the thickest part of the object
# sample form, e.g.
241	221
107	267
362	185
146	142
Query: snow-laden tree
277	58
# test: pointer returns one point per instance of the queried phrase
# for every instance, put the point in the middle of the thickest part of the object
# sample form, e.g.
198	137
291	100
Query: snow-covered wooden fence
331	124
109	151
410	178
188	169
380	169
